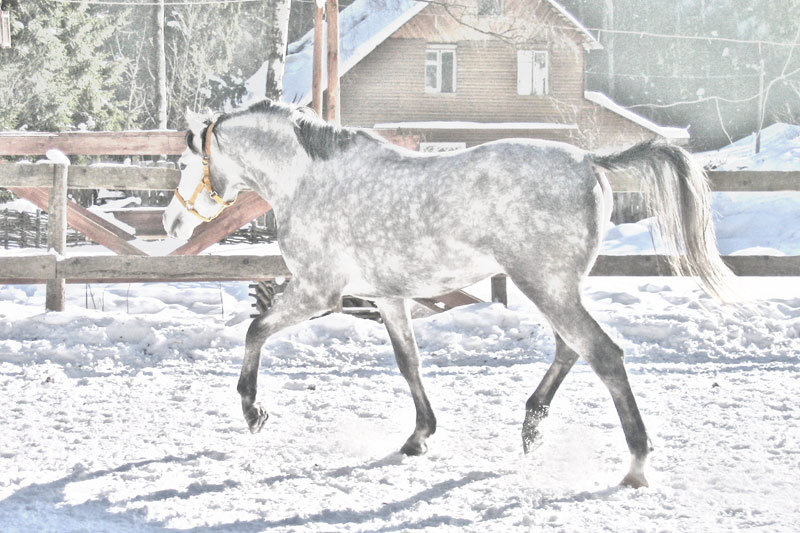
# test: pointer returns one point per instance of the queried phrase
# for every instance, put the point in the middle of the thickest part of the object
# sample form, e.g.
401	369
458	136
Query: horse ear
196	121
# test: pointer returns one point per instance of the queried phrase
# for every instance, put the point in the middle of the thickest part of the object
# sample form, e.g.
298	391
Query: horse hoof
414	448
256	416
634	481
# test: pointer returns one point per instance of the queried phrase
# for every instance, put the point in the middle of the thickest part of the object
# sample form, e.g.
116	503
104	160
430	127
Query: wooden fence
46	186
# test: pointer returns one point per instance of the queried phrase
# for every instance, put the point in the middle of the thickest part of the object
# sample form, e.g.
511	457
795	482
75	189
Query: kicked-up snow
127	418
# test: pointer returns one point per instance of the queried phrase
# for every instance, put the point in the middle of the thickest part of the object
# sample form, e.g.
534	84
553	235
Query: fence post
499	289
57	235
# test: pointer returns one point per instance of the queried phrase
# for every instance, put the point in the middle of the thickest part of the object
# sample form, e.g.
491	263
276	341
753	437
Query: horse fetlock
256	416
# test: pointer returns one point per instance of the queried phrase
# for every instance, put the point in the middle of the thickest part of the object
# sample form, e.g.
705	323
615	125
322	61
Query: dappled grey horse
359	216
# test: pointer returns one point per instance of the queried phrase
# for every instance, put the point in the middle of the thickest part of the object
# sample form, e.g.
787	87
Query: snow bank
780	150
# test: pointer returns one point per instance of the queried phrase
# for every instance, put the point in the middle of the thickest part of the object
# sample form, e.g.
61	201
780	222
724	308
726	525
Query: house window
533	72
490	7
440	68
5	29
434	147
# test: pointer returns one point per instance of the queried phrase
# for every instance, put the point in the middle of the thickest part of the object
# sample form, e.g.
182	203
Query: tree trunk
608	23
333	113
161	62
278	22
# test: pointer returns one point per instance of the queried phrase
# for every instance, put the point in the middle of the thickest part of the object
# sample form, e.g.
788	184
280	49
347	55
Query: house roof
363	25
673	134
590	42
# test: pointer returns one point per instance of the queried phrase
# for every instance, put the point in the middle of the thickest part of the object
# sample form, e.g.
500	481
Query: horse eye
182	166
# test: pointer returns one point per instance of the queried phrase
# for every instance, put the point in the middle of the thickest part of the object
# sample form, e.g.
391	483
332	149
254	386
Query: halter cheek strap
204	185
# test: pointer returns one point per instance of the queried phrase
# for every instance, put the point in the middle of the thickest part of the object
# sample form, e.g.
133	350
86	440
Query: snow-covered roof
674	134
462	125
363	25
780	150
591	42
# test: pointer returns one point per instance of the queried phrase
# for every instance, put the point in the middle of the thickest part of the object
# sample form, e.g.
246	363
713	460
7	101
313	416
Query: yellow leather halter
205	184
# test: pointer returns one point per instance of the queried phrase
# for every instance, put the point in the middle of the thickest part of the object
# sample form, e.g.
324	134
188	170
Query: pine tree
57	75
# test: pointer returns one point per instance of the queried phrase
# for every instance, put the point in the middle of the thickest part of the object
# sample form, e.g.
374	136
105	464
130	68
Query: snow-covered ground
124	416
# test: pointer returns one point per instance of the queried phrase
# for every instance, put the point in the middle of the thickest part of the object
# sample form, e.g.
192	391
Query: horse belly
420	275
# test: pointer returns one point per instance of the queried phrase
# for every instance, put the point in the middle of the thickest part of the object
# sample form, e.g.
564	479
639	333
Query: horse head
205	188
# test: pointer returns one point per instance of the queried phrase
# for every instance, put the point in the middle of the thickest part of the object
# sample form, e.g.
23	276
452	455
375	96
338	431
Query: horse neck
273	167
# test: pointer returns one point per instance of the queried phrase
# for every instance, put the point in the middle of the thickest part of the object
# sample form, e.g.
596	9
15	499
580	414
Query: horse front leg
397	318
298	302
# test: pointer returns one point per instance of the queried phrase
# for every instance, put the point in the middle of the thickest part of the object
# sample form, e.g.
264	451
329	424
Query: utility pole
316	82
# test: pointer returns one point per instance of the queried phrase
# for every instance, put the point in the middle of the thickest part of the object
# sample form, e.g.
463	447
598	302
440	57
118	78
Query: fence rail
132	265
122	177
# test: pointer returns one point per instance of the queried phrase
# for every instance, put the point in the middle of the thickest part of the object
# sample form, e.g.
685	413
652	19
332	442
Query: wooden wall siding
476	137
601	128
388	85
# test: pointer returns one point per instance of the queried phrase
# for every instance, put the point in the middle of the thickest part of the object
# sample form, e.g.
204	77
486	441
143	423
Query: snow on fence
37	183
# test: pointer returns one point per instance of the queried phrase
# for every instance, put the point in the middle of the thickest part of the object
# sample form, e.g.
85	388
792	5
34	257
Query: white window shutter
524	71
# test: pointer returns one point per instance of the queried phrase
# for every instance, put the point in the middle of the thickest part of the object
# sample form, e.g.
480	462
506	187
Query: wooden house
445	75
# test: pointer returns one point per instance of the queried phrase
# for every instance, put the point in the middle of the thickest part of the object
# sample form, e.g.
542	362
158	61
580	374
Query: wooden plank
172	268
94	143
55	295
249	206
123	177
92	177
754	180
657	265
456	299
764	265
739	180
133	269
36	267
83	220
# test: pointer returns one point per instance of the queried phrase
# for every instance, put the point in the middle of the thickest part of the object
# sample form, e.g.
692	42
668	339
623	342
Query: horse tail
676	192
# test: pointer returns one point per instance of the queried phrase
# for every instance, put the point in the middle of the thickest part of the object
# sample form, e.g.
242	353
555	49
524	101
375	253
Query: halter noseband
205	184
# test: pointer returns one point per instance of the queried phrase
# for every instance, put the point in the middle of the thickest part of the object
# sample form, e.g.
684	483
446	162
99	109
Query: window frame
440	49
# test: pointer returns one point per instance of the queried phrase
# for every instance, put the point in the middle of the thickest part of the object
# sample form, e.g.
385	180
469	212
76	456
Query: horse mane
320	139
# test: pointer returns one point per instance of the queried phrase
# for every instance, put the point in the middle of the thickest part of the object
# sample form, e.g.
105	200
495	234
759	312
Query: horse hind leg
538	405
581	333
397	319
